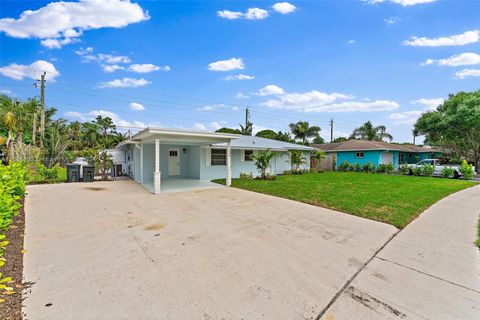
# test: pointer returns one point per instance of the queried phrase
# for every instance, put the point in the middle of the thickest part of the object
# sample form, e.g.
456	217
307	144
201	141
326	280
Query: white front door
387	157
173	162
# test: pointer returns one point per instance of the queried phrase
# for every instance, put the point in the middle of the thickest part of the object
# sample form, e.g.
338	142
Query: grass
387	198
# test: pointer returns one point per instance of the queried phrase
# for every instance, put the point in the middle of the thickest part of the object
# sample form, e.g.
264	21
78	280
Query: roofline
381	149
202	134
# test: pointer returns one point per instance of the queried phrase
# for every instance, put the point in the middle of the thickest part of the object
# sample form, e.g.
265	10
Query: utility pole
34	129
331	130
42	111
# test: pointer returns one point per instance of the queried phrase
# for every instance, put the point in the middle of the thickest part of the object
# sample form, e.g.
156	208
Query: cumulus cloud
392	20
407	117
351	41
429	103
242	96
124	83
316	101
404	3
284	7
250	14
146	68
462	74
136	106
463	59
117	120
60	23
239	77
227	65
109	68
217	106
32	71
270	90
467	37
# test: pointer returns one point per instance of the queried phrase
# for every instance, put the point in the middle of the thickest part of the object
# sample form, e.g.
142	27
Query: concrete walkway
112	250
430	270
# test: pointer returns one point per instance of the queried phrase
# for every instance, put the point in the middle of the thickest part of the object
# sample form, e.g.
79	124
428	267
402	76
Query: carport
169	160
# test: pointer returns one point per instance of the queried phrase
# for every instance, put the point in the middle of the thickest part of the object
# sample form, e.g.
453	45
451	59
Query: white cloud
117	120
32	71
404	3
462	74
270	90
102	58
284	7
351	41
392	20
230	15
241	96
463	59
429	103
124	83
147	67
454	40
251	14
60	23
239	77
200	127
112	68
407	117
227	65
316	101
136	106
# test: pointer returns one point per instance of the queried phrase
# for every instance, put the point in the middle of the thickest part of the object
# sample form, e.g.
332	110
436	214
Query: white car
438	167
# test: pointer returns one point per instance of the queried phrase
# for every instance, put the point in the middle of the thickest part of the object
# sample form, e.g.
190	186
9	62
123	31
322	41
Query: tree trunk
20	136
9	147
34	129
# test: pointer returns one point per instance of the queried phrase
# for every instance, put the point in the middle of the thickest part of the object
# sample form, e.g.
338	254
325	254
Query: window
248	155
359	155
401	157
219	157
173	153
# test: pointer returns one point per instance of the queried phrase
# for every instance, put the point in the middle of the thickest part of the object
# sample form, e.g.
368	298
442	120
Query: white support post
141	162
229	164
157	174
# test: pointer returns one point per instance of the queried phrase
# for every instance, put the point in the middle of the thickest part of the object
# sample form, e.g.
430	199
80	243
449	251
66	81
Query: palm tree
368	132
248	128
303	131
296	160
8	107
262	161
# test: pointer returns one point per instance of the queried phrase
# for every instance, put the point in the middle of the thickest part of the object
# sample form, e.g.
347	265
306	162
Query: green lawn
388	198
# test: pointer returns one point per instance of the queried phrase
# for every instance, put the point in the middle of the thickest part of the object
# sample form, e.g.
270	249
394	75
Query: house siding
374	157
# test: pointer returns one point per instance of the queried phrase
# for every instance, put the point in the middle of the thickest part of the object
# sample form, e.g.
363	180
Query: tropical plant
318	140
246	176
102	161
404	169
369	132
455	125
417	171
428	170
318	155
262	161
248	128
357	167
268	134
345	166
55	143
367	167
303	131
466	170
284	136
296	160
389	168
447	172
228	130
8	118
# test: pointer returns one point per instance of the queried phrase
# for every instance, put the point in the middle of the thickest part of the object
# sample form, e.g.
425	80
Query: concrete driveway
112	250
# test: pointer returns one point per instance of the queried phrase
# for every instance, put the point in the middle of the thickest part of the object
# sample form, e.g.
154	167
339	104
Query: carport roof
151	133
256	143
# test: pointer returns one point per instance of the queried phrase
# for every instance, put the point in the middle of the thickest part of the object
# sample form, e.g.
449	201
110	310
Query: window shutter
242	155
208	160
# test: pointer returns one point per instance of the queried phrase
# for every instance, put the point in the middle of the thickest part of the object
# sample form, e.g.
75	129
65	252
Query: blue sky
198	64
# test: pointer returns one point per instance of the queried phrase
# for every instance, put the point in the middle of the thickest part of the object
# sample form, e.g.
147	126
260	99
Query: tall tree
455	125
303	131
228	130
369	132
8	119
268	134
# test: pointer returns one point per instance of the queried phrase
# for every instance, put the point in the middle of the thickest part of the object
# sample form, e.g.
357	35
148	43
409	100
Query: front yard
388	198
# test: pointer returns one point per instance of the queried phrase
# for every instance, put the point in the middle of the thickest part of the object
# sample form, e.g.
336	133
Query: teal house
377	152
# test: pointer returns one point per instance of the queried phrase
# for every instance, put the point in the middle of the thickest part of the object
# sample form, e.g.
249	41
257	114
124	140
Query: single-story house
156	155
377	152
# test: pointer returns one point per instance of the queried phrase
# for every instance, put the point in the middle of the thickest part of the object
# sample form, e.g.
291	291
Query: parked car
438	167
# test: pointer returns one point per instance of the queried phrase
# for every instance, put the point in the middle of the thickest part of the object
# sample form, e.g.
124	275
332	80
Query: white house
156	157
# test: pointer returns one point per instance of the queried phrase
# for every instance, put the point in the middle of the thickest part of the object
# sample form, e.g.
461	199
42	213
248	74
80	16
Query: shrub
373	168
358	167
447	172
466	170
287	172
344	166
381	168
246	176
428	170
367	167
404	169
389	168
417	171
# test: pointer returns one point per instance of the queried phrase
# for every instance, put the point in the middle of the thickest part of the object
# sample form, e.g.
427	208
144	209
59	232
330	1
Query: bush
246	176
466	170
267	176
417	171
373	168
42	174
381	168
389	168
428	170
447	172
287	172
367	167
358	167
404	169
345	166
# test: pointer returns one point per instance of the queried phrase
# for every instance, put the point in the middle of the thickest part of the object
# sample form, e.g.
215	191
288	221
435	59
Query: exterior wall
429	155
277	166
374	156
